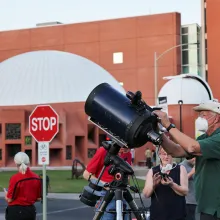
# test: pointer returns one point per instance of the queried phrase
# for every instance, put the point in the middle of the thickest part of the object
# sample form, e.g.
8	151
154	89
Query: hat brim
200	108
203	108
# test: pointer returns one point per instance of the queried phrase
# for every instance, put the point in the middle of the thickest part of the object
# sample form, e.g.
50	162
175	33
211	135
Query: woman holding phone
23	191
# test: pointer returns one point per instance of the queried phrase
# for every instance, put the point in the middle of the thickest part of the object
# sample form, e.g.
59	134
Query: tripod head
112	158
120	169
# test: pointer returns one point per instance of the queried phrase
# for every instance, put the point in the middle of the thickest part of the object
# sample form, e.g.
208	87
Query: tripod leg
107	199
119	204
134	208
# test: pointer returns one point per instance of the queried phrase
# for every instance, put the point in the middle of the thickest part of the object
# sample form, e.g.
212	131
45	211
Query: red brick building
211	46
136	38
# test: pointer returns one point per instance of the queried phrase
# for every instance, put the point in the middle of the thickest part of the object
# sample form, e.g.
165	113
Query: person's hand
5	190
191	173
164	119
167	181
106	186
156	180
6	193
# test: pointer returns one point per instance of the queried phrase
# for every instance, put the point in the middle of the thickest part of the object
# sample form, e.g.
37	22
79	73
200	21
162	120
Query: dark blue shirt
165	203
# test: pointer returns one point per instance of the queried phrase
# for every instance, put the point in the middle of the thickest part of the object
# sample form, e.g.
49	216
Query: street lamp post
156	58
180	102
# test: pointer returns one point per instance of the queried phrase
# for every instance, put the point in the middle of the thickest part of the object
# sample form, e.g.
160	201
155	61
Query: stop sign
43	123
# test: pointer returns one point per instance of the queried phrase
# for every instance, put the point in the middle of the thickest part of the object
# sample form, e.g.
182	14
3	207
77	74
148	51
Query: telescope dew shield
113	110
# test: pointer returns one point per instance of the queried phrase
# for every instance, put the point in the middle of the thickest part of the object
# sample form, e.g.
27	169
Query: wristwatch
171	126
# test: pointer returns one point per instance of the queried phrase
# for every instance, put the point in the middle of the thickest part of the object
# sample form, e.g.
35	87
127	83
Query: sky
19	14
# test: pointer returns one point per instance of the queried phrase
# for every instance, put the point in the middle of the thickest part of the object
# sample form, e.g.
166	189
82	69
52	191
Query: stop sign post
43	126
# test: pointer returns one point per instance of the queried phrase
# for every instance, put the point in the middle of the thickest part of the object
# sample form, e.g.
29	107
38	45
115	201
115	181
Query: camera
127	119
164	170
164	175
92	193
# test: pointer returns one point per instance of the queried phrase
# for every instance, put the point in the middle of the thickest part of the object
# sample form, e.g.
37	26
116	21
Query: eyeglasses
165	154
202	114
206	116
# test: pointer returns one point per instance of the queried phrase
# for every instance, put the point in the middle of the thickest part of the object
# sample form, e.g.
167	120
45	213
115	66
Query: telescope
129	122
127	119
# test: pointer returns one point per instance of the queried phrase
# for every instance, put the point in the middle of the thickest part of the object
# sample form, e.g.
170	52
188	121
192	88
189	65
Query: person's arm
39	191
181	189
151	183
11	188
8	200
175	150
92	167
87	175
191	173
148	188
188	144
129	158
210	147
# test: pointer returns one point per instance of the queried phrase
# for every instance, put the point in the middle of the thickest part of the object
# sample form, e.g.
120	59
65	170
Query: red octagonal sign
43	123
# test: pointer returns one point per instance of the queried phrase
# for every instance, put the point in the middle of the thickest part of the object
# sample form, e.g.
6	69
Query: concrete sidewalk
74	196
71	196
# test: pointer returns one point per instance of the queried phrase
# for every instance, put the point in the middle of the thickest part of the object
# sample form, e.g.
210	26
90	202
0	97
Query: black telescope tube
115	112
110	108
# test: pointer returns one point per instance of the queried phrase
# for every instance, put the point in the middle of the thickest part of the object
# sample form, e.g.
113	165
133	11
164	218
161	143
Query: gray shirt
190	198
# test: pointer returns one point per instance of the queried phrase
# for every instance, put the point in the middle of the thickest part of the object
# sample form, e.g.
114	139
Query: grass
60	181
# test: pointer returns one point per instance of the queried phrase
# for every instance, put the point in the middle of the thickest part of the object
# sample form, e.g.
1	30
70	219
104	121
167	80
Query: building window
118	58
185	57
206	51
68	152
0	154
28	140
205	19
185	30
13	131
185	40
29	153
190	55
198	56
91	152
185	69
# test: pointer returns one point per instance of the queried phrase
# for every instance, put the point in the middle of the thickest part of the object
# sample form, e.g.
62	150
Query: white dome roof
189	88
42	77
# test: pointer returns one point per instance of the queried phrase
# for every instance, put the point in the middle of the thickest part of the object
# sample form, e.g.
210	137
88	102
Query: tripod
119	192
118	188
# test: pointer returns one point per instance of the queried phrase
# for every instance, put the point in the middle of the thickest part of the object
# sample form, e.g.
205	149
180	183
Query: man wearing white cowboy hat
207	151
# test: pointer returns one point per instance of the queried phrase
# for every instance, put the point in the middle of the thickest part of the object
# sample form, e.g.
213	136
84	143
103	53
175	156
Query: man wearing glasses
206	149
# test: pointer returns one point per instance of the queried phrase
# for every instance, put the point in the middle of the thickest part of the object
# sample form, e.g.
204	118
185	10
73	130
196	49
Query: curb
72	196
